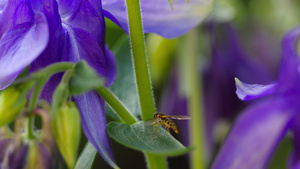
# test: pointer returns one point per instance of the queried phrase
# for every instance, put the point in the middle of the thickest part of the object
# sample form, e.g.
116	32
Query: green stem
119	108
140	59
142	72
156	161
44	75
35	95
61	92
57	67
193	89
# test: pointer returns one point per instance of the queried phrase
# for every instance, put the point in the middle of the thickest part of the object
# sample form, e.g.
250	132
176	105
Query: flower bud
66	127
11	103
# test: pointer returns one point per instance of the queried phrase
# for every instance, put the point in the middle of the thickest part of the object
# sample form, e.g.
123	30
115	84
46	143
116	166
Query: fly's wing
151	121
178	117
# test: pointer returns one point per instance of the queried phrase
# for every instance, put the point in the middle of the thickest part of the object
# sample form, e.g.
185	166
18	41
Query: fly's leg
157	131
154	128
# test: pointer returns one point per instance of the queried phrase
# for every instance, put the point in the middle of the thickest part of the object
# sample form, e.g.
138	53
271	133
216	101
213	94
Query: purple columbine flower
258	131
42	32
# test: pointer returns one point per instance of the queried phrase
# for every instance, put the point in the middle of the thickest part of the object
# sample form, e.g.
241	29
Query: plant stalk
192	87
140	63
43	76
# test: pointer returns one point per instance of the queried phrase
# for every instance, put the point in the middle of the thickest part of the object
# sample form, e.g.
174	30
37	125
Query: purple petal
2	5
111	68
288	75
15	12
20	46
82	45
158	17
65	6
253	91
87	15
93	121
16	158
53	51
4	144
255	136
294	161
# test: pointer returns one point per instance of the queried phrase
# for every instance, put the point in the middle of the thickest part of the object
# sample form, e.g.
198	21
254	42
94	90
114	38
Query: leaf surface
87	157
138	136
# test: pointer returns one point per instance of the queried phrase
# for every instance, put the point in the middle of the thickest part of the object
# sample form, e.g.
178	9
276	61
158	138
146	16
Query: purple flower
228	60
158	17
258	131
18	152
44	32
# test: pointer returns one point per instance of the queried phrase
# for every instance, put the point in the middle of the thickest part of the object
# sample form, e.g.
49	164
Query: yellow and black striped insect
162	119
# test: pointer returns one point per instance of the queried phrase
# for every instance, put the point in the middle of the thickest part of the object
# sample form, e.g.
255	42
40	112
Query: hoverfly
162	119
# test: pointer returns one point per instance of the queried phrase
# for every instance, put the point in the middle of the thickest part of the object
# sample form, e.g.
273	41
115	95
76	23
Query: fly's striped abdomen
174	127
169	123
162	119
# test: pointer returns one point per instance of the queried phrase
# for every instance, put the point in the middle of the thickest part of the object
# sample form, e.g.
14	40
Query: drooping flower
18	152
43	32
258	131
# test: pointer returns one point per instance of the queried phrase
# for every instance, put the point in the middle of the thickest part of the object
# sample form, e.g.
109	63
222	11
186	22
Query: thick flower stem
43	76
140	59
156	161
119	108
192	82
141	71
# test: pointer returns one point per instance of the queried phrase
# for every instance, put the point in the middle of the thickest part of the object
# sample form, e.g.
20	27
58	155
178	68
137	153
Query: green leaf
124	87
84	79
87	157
138	136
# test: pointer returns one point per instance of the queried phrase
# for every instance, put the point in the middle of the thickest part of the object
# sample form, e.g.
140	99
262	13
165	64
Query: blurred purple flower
228	60
42	32
158	16
258	131
18	152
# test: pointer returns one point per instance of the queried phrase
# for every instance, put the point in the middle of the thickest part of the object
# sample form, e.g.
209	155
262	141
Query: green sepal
11	103
67	131
84	79
138	136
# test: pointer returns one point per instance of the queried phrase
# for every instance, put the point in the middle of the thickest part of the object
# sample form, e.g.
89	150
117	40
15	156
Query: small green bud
11	103
66	127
